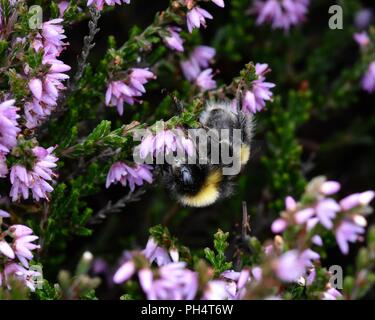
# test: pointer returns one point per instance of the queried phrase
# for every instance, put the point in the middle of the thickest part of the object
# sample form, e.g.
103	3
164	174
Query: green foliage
283	161
217	258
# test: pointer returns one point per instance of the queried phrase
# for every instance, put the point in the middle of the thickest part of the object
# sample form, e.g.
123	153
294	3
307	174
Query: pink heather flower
281	14
279	225
8	126
362	39
317	240
147	146
36	179
363	18
290	204
326	211
348	232
120	172
290	267
311	276
184	144
204	80
99	4
1	21
23	246
45	93
63	5
311	223
196	18
332	294
219	3
304	215
20	247
125	272
173	282
256	97
330	187
36	87
4	214
216	290
52	37
292	264
357	199
27	277
174	40
165	142
6	249
120	92
257	273
203	55
3	166
308	256
45	90
159	254
19	230
190	69
368	80
236	282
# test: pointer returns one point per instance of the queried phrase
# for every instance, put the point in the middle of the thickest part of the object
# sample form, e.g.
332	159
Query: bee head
188	178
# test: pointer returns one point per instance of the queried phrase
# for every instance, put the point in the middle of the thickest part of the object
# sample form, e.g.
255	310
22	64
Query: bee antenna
178	104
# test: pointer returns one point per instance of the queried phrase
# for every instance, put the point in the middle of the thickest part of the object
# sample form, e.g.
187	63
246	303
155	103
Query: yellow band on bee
245	154
207	195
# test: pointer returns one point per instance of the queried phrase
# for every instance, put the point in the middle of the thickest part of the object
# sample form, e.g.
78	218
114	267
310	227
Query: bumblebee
201	185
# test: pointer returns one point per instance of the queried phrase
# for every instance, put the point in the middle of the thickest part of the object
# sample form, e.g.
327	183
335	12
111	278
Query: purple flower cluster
344	217
165	142
8	132
37	179
368	80
255	98
46	89
128	90
332	294
362	39
235	283
196	16
281	14
174	40
99	4
171	281
363	18
292	265
16	254
1	22
153	252
195	68
126	175
63	6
